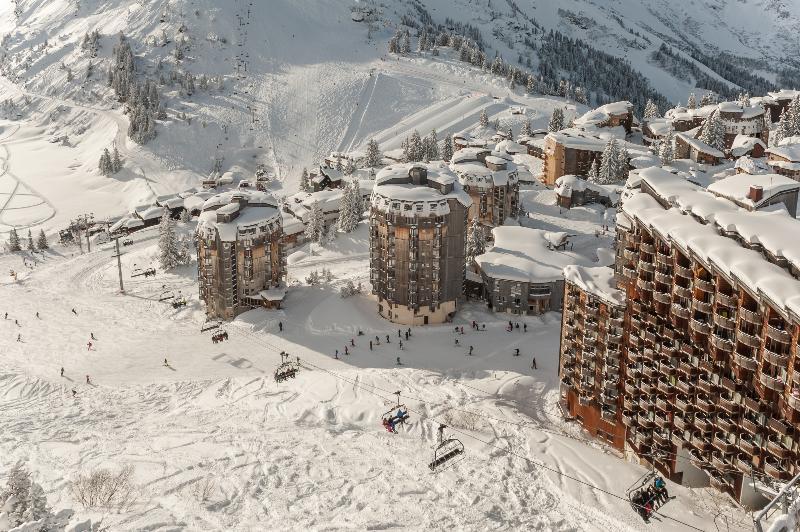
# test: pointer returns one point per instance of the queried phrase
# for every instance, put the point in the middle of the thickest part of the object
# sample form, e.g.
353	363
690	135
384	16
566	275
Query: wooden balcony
680	311
723	344
705	286
778	334
771	383
776	358
776	448
645	265
746	444
698	326
745	362
701	306
729	301
725	323
748	339
662	298
683	271
775	468
743	463
704	404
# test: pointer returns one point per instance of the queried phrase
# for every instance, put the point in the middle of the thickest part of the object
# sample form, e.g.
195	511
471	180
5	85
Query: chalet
570	152
194	203
173	202
654	130
781	100
328	177
738	120
784	159
574	191
745	145
465	140
758	192
617	114
684	119
698	151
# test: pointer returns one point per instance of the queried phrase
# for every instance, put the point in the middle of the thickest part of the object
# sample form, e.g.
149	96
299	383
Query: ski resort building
491	180
522	272
758	192
784	159
574	191
688	147
418	225
616	114
710	371
570	152
739	120
591	353
241	262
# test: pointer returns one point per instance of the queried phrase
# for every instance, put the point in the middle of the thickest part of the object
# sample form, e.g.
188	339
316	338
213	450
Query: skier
74	393
409	331
6	315
516	326
88	381
62	372
16	322
456	341
370	345
352	342
470	350
19	338
524	327
533	363
406	336
73	311
401	344
462	330
483	327
337	354
166	363
89	346
91	334
510	325
280	326
346	351
388	341
399	335
37	315
474	324
516	352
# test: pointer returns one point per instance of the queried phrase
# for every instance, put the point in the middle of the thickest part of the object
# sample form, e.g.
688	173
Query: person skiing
62	372
89	346
516	352
388	341
456	341
470	350
409	331
91	334
337	354
462	330
73	311
370	345
16	322
524	327
352	342
37	315
280	326
401	344
399	334
346	351
74	393
88	381
19	338
165	362
6	315
406	336
533	363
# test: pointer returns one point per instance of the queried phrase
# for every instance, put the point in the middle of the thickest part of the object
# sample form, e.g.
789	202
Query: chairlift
397	415
180	301
287	370
446	450
637	494
167	294
210	325
137	272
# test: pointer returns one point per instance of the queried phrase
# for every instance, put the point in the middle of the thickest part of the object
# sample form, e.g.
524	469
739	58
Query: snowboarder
470	350
280	326
62	372
73	311
370	345
533	363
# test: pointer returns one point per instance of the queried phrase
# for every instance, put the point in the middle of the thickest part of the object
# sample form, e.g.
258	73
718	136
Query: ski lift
168	294
446	450
220	335
398	414
639	497
287	369
179	302
137	272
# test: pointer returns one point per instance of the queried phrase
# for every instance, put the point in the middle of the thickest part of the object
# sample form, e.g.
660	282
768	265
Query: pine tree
374	156
350	210
415	149
338	166
781	131
666	151
41	242
105	165
530	85
623	162
185	216
316	223
484	119
116	162
713	132
594	172
794	117
349	167
556	120
496	124
526	129
169	255
432	146
447	148
476	241
651	110
609	166
305	184
744	99
23	499
691	103
31	247
13	241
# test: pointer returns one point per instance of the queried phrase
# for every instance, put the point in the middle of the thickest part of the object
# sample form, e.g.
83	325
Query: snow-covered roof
790	152
526	255
743	144
395	192
746	165
196	201
700	146
471	172
686	114
603	113
737	187
706	244
467	154
127	222
598	281
259	215
784	94
256	197
645	161
291	224
509	146
577	139
659	126
150	212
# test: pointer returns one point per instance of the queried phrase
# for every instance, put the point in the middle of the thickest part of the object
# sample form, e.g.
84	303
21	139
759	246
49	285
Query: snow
598	281
700	146
526	255
790	152
737	187
394	191
743	144
603	113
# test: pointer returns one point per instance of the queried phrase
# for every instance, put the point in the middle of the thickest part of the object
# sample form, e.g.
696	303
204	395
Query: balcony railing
701	306
699	326
724	322
680	311
778	334
776	358
776	448
726	300
748	339
746	362
773	383
705	286
683	271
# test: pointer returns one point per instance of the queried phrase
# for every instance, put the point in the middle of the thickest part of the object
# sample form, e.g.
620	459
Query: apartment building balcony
683	271
723	443
743	463
702	445
725	423
728	405
645	265
725	323
776	468
704	404
585	399
663	385
629	403
647	387
747	445
688	368
699	327
704	384
679	311
637	307
681	291
679	422
750	426
663	278
775	356
662	404
701	306
748	339
793	402
632	370
796	372
705	286
745	361
682	384
608	415
645	402
770	382
631	254
662	297
643	419
726	300
702	422
647	248
649	354
778	333
721	462
629	272
661	420
644	285
661	438
677	438
650	371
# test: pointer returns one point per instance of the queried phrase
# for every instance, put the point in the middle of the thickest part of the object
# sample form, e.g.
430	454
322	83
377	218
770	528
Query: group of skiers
389	422
219	337
512	326
647	500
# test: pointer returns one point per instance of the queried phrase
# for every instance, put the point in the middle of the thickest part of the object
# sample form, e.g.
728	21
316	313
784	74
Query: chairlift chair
137	272
210	325
391	415
445	451
287	370
168	294
636	488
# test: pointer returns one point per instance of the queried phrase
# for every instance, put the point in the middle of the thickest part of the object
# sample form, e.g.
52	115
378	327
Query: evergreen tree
349	167
405	44
651	110
744	99
556	120
116	162
31	247
316	224
351	209
13	241
476	241
623	162
609	167
23	499
305	183
41	242
713	132
374	155
484	119
185	216
691	103
708	99
526	129
594	172
106	164
496	124
794	117
530	85
415	149
666	151
447	148
432	146
781	131
169	253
